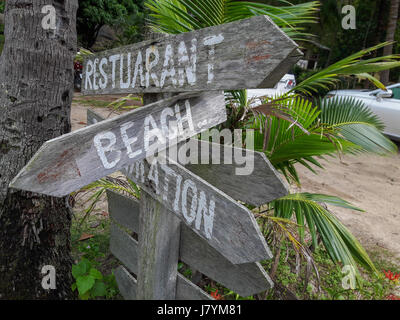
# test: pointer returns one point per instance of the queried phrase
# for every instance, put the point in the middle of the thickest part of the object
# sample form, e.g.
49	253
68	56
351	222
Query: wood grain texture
245	279
185	290
124	210
159	235
261	186
67	163
93	117
226	225
245	54
127	284
125	249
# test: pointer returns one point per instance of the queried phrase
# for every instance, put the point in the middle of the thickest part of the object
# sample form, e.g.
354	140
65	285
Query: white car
284	85
385	104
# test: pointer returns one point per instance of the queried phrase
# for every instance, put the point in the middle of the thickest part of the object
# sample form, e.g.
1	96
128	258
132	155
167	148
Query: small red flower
216	296
391	276
393	297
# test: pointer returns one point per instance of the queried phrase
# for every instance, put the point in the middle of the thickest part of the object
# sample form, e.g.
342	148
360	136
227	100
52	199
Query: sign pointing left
74	160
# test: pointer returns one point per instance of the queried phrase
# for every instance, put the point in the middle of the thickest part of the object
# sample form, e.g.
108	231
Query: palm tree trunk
390	34
36	89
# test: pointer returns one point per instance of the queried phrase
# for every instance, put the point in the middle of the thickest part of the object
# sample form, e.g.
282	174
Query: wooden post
159	236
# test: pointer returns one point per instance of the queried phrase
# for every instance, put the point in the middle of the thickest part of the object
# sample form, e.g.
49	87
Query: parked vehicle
284	85
385	104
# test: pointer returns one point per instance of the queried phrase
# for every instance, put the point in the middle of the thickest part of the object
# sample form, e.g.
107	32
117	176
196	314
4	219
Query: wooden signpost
189	244
264	181
246	279
187	211
247	54
74	160
226	225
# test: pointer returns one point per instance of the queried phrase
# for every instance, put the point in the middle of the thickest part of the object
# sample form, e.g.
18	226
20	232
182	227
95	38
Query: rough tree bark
36	89
390	34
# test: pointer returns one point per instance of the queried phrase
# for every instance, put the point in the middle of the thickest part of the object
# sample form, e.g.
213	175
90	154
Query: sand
369	182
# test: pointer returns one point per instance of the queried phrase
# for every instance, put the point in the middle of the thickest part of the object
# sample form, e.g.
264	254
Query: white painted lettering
212	41
168	60
189	184
123	84
102	150
113	59
129	141
103	82
89	73
152	50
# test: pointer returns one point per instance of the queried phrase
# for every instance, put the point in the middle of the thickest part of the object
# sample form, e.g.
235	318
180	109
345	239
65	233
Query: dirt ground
370	182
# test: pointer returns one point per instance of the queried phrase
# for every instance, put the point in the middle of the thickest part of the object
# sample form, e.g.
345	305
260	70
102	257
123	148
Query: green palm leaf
177	16
352	65
340	244
356	123
288	144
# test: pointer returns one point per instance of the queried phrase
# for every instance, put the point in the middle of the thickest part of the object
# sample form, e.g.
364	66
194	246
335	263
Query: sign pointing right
250	53
225	224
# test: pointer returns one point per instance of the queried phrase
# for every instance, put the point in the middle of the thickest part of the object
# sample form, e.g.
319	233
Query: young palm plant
298	131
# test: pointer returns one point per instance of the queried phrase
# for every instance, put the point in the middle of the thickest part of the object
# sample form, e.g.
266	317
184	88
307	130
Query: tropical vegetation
292	129
297	128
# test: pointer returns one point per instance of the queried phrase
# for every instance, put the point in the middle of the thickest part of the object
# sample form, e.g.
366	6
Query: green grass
371	287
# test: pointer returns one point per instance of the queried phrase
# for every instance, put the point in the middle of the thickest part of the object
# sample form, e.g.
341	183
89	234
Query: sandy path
371	183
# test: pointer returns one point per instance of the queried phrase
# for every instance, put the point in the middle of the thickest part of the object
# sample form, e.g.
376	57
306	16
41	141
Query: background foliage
125	15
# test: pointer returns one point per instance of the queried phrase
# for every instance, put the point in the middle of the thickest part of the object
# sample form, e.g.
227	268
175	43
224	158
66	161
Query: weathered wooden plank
67	163
93	117
245	279
185	290
250	53
249	177
159	235
226	225
127	284
124	248
124	210
255	182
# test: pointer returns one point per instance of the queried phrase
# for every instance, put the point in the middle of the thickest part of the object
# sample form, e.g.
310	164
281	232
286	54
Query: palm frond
356	123
177	16
350	66
340	244
286	144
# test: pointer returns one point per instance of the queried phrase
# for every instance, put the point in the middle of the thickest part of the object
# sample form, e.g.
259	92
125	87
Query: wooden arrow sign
227	226
262	185
74	160
246	279
250	53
